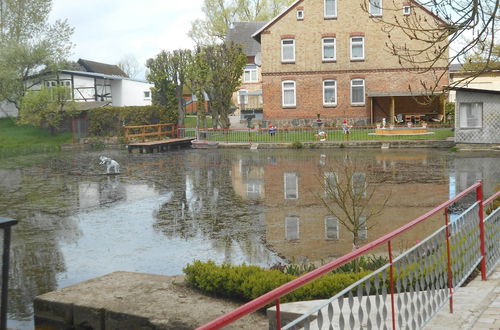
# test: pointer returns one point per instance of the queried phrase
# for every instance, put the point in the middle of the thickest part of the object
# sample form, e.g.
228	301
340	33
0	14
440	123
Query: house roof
97	67
476	90
256	35
241	33
100	75
455	67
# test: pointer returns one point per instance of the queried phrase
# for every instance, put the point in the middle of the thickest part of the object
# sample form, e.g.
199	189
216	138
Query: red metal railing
279	292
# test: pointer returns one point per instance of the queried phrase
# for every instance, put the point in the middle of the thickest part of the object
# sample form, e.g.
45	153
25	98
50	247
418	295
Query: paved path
476	306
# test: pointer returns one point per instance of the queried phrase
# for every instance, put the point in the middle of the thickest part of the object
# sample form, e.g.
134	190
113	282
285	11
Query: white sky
107	30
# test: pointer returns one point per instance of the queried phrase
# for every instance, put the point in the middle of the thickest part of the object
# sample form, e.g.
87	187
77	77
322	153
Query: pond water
238	206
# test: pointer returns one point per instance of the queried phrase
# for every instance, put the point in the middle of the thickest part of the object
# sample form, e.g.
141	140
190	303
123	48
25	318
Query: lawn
309	135
20	140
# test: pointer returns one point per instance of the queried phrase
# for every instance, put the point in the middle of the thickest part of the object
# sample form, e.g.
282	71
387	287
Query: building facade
329	58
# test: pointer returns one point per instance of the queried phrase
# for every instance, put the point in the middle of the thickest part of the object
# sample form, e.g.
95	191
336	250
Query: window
250	74
359	185
330	183
288	93
300	14
363	229
242	96
376	7
357	92
357	48
406	10
329	92
331	227
471	115
291	186
330	8
291	228
147	94
287	50
329	49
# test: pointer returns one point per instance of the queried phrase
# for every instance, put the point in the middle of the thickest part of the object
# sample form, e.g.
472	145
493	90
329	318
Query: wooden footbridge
159	137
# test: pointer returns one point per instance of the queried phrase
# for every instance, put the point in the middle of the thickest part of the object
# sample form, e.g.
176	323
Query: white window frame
283	89
291	176
300	14
332	222
292	222
284	44
406	10
332	15
325	103
245	99
324	41
357	86
251	72
377	9
357	43
474	108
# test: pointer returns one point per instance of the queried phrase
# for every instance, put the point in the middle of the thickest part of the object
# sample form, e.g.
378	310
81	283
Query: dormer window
300	15
406	10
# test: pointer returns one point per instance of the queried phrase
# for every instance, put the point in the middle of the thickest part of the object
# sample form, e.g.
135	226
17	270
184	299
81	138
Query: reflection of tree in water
205	204
40	202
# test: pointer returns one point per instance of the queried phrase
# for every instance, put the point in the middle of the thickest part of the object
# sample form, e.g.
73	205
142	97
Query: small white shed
477	116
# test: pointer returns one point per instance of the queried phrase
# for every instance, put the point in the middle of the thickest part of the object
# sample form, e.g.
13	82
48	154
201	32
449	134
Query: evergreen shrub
249	282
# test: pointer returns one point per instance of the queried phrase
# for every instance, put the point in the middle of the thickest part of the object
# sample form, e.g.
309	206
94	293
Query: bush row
109	121
249	282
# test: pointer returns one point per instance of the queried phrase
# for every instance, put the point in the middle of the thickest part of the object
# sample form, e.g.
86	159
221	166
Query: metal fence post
448	258
479	197
6	225
391	280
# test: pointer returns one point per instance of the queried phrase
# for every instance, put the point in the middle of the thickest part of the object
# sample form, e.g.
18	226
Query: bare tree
348	196
437	30
130	65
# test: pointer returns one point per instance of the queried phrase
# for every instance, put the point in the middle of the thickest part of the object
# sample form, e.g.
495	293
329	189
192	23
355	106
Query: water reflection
166	210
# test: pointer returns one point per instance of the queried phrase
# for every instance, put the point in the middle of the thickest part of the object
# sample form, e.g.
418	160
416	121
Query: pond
238	206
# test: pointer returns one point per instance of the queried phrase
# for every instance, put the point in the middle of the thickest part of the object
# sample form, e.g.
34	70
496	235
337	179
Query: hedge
109	121
249	282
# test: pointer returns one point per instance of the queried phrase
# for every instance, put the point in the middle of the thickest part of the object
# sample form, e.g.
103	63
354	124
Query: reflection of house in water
298	226
248	178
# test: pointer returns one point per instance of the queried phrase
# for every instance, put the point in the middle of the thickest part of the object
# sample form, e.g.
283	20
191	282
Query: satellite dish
257	59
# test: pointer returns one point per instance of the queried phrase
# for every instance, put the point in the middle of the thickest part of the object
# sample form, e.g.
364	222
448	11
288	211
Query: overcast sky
106	31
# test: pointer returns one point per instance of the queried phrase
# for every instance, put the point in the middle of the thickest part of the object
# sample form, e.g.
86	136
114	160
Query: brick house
328	57
248	99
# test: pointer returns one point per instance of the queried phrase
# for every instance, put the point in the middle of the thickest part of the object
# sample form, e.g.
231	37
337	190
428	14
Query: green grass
190	121
308	135
22	140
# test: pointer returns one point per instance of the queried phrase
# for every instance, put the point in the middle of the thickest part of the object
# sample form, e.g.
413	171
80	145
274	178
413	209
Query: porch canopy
385	103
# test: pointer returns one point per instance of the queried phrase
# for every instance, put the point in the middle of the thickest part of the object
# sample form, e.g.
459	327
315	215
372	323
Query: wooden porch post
442	106
392	110
371	110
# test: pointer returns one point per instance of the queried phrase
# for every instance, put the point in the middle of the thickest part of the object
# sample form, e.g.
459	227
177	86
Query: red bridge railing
406	289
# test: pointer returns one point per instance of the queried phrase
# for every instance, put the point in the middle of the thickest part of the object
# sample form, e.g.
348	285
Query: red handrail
275	294
491	198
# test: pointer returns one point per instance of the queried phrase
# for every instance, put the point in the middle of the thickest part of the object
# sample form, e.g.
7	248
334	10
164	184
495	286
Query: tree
168	69
483	61
197	78
29	44
436	27
219	14
130	65
225	64
46	107
349	198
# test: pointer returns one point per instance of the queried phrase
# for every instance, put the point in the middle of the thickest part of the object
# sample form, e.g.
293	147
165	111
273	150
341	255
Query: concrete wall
381	71
490	130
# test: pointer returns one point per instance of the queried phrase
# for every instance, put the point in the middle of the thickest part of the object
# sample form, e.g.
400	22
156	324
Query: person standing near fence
346	129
